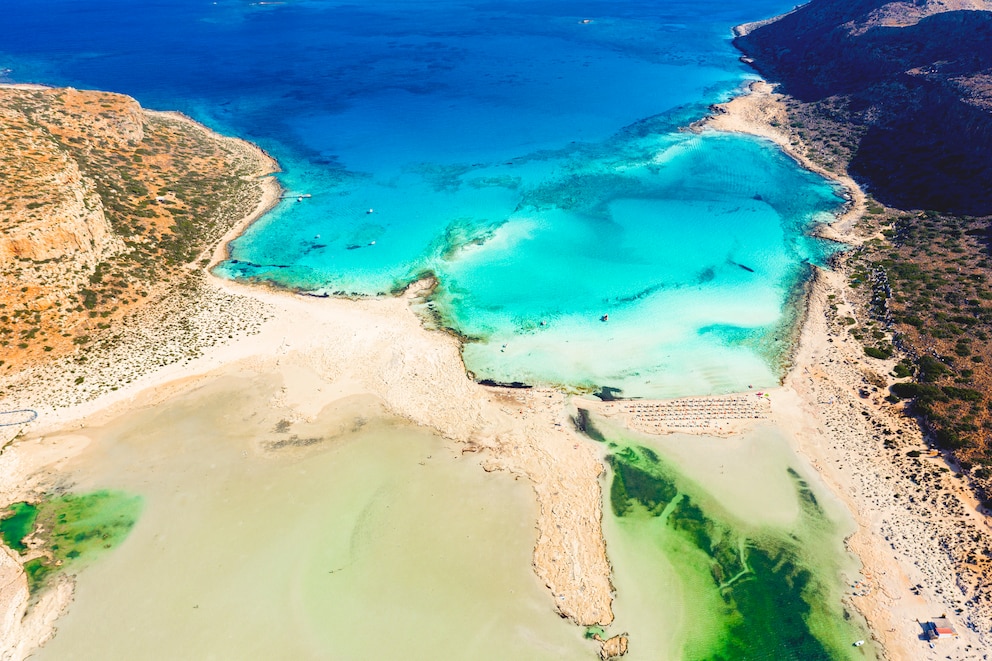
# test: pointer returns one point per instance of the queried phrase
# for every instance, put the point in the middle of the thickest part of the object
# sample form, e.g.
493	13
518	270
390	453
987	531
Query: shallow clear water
528	158
366	540
534	163
727	543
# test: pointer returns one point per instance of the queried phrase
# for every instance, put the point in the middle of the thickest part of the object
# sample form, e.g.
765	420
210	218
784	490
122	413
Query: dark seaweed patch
706	275
774	607
633	486
294	441
806	495
768	594
644	293
500	384
608	394
583	423
78	527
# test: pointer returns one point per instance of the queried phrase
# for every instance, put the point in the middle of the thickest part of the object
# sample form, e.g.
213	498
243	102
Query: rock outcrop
23	629
13	597
612	648
49	209
913	78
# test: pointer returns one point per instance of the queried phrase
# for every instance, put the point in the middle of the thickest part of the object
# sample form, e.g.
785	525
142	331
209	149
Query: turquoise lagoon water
535	164
528	158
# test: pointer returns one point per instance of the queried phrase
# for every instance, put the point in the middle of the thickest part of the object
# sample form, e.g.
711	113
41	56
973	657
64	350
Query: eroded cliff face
101	203
912	79
48	210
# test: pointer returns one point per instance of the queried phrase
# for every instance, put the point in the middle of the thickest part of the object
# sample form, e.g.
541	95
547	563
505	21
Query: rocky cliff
912	80
101	203
49	209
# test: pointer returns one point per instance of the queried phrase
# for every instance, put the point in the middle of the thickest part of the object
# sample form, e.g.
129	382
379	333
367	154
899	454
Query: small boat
605	317
859	643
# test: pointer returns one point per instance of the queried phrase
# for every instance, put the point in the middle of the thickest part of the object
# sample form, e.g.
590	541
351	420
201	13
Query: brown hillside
914	79
102	202
899	95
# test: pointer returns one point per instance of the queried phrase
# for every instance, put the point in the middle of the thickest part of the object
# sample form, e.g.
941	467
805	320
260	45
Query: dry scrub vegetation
923	282
102	205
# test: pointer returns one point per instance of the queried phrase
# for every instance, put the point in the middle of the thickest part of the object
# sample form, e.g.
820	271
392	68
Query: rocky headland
903	88
103	204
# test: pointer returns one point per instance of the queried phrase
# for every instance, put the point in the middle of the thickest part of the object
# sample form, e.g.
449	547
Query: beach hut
940	627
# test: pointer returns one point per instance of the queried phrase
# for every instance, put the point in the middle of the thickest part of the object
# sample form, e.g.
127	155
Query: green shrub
879	352
931	369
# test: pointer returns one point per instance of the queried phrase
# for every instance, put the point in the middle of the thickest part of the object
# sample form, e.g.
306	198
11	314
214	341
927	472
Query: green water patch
592	632
16	524
753	592
75	528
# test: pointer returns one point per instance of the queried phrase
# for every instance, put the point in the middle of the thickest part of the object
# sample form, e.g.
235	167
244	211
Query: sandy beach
329	349
920	536
916	525
325	350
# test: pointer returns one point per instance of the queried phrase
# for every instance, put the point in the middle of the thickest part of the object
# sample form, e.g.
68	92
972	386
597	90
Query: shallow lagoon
349	537
528	153
352	536
728	544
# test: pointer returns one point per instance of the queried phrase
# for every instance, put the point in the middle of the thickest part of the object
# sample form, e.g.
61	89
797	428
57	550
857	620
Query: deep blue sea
528	154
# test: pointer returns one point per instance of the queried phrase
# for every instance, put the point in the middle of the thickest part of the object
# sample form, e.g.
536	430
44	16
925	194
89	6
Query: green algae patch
757	592
593	631
76	528
17	523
